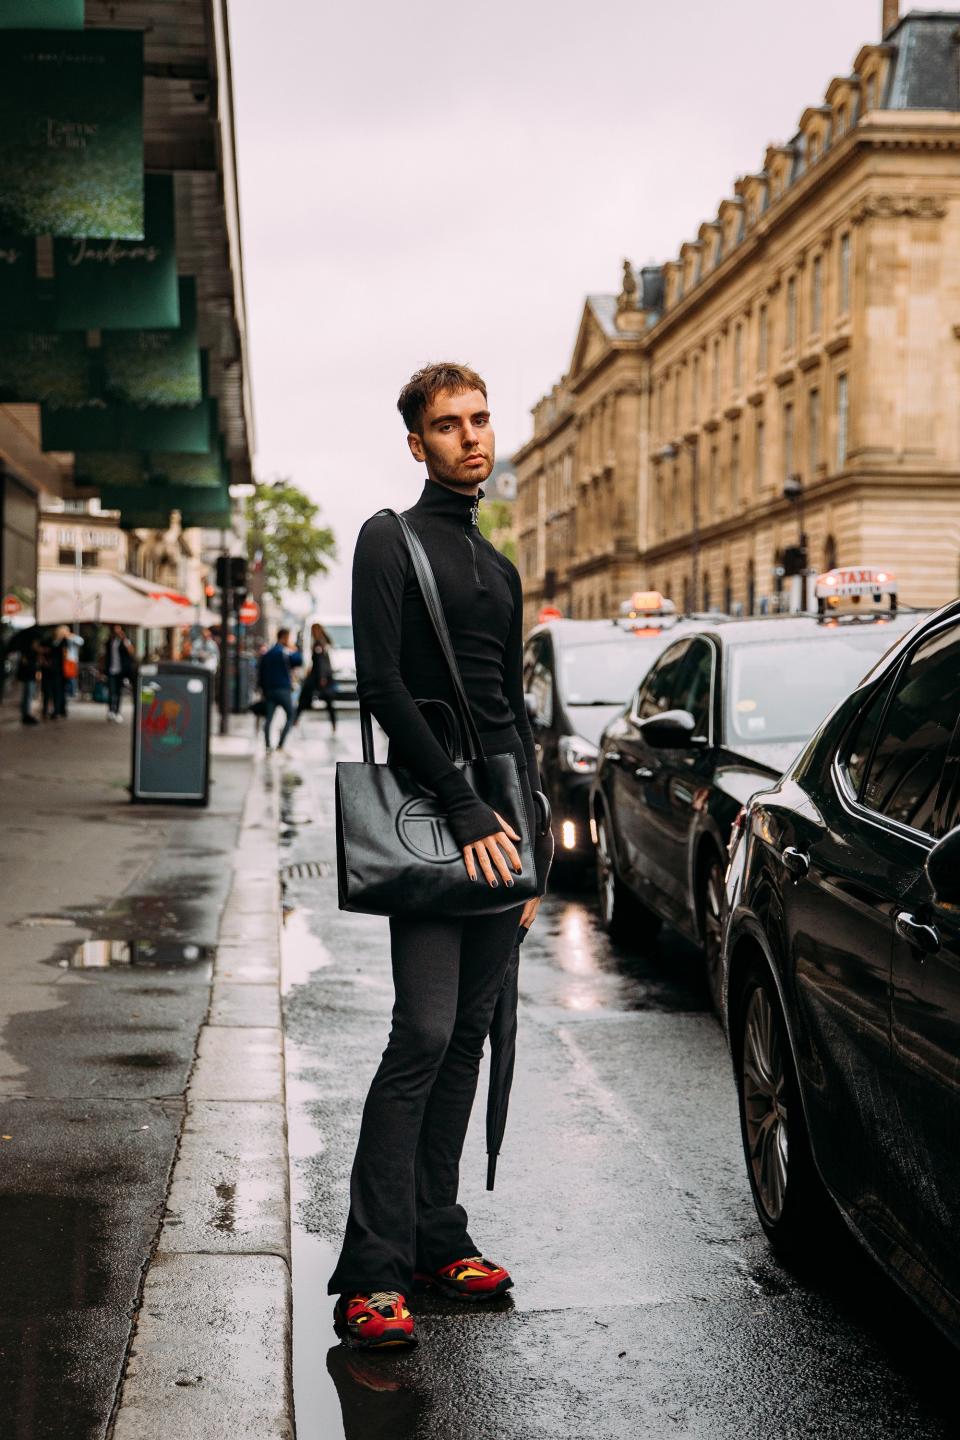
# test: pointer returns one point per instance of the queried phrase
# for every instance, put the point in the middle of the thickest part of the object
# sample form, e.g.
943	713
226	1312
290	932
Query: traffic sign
249	612
11	605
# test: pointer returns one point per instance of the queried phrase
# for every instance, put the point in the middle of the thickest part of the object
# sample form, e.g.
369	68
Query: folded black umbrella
503	1026
503	1054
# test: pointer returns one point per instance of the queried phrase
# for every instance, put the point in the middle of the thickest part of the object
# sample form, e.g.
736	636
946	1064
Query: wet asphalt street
646	1301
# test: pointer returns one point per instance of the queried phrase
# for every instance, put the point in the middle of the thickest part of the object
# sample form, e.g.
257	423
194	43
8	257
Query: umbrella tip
491	1170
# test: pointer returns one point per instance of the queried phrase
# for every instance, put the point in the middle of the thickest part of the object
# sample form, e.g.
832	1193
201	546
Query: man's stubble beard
457	480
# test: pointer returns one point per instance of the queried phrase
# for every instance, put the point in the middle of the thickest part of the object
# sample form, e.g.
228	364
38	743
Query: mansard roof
925	69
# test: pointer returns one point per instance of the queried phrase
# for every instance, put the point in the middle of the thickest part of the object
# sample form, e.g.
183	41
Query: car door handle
643	772
795	862
922	937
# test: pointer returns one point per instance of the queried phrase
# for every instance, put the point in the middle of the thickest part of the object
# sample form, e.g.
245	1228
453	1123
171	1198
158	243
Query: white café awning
71	597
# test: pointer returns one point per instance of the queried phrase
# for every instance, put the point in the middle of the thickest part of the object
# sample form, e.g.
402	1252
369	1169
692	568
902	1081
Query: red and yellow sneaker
471	1279
374	1321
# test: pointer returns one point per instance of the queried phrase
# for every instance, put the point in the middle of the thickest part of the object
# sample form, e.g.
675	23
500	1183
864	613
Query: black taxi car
577	676
841	974
721	714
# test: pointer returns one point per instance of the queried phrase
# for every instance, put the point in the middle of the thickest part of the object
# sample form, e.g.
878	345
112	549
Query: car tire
621	914
710	912
790	1200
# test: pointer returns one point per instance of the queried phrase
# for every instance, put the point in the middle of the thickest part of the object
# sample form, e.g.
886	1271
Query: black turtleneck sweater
399	660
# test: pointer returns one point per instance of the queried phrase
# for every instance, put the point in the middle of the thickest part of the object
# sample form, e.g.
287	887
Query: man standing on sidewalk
406	1224
276	683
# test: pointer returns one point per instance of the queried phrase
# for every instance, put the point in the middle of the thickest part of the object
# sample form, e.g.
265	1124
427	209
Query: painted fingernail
493	883
510	883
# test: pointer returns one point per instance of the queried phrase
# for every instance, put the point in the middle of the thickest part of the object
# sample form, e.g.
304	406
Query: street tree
284	538
495	518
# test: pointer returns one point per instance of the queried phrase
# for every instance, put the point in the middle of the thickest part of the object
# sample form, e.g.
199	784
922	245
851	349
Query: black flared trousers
404	1212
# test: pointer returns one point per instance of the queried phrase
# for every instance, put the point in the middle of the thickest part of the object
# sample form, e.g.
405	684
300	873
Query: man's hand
489	854
530	912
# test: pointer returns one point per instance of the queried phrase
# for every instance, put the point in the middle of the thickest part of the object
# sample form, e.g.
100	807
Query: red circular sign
249	612
11	605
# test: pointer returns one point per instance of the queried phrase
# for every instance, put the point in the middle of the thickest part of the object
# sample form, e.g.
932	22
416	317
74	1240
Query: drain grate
306	870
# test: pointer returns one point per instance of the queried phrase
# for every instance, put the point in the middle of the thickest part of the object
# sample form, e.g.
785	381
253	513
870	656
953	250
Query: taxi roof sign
855	584
646	602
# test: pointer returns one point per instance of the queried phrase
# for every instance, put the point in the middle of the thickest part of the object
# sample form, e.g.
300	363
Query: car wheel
787	1190
621	913
711	924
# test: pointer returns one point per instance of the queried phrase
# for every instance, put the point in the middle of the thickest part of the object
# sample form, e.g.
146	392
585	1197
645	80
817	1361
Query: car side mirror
533	709
672	730
943	868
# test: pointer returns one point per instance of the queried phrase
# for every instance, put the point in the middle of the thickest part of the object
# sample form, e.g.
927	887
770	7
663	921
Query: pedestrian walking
319	681
405	1224
63	667
73	645
276	684
27	670
118	665
51	681
205	651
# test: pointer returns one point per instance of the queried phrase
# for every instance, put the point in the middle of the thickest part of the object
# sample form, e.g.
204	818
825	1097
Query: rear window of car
781	690
609	672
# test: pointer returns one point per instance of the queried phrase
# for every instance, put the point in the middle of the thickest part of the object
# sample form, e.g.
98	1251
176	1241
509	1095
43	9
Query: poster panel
41	14
152	366
20	306
149	507
118	284
101	426
71	133
37	367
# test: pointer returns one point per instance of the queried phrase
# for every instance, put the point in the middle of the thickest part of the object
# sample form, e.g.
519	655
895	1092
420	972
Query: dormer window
870	92
841	121
814	149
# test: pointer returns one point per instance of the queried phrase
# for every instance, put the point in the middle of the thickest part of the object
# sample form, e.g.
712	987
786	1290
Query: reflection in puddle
56	1263
103	954
377	1402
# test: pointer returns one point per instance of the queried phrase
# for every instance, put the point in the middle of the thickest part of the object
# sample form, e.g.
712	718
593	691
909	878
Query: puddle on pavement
111	954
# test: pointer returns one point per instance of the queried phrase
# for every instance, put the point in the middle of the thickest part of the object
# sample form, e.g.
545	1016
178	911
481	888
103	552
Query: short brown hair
421	388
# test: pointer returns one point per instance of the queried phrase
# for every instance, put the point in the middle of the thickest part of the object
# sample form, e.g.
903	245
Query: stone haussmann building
795	371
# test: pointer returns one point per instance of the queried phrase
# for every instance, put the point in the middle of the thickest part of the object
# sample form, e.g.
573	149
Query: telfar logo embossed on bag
424	830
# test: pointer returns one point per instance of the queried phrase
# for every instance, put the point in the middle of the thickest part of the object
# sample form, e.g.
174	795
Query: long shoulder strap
426	579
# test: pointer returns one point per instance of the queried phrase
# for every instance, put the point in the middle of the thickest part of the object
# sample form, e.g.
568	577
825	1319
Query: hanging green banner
94	468
149	509
53	368
20	303
155	367
71	132
117	284
99	426
41	14
135	469
198	470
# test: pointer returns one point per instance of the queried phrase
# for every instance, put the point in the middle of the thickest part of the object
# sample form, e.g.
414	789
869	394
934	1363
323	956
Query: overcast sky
421	181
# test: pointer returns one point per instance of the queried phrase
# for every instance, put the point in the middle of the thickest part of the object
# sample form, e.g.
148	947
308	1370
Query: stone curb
211	1351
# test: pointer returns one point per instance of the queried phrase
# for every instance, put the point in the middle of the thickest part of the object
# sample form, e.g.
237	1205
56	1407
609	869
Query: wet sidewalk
138	958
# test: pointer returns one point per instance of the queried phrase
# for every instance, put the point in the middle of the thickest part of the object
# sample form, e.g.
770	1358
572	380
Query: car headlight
577	755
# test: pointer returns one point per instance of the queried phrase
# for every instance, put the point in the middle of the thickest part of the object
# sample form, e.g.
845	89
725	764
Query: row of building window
791	337
675	520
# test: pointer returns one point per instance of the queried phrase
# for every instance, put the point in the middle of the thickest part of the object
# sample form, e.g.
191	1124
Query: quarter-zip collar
438	500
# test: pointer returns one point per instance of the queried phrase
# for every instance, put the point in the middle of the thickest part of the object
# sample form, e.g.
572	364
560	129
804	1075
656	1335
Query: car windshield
783	690
608	673
341	636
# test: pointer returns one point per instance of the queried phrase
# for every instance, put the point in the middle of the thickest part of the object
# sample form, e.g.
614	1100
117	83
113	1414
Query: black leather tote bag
396	854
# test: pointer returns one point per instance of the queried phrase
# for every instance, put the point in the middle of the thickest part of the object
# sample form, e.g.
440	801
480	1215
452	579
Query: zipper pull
473	510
